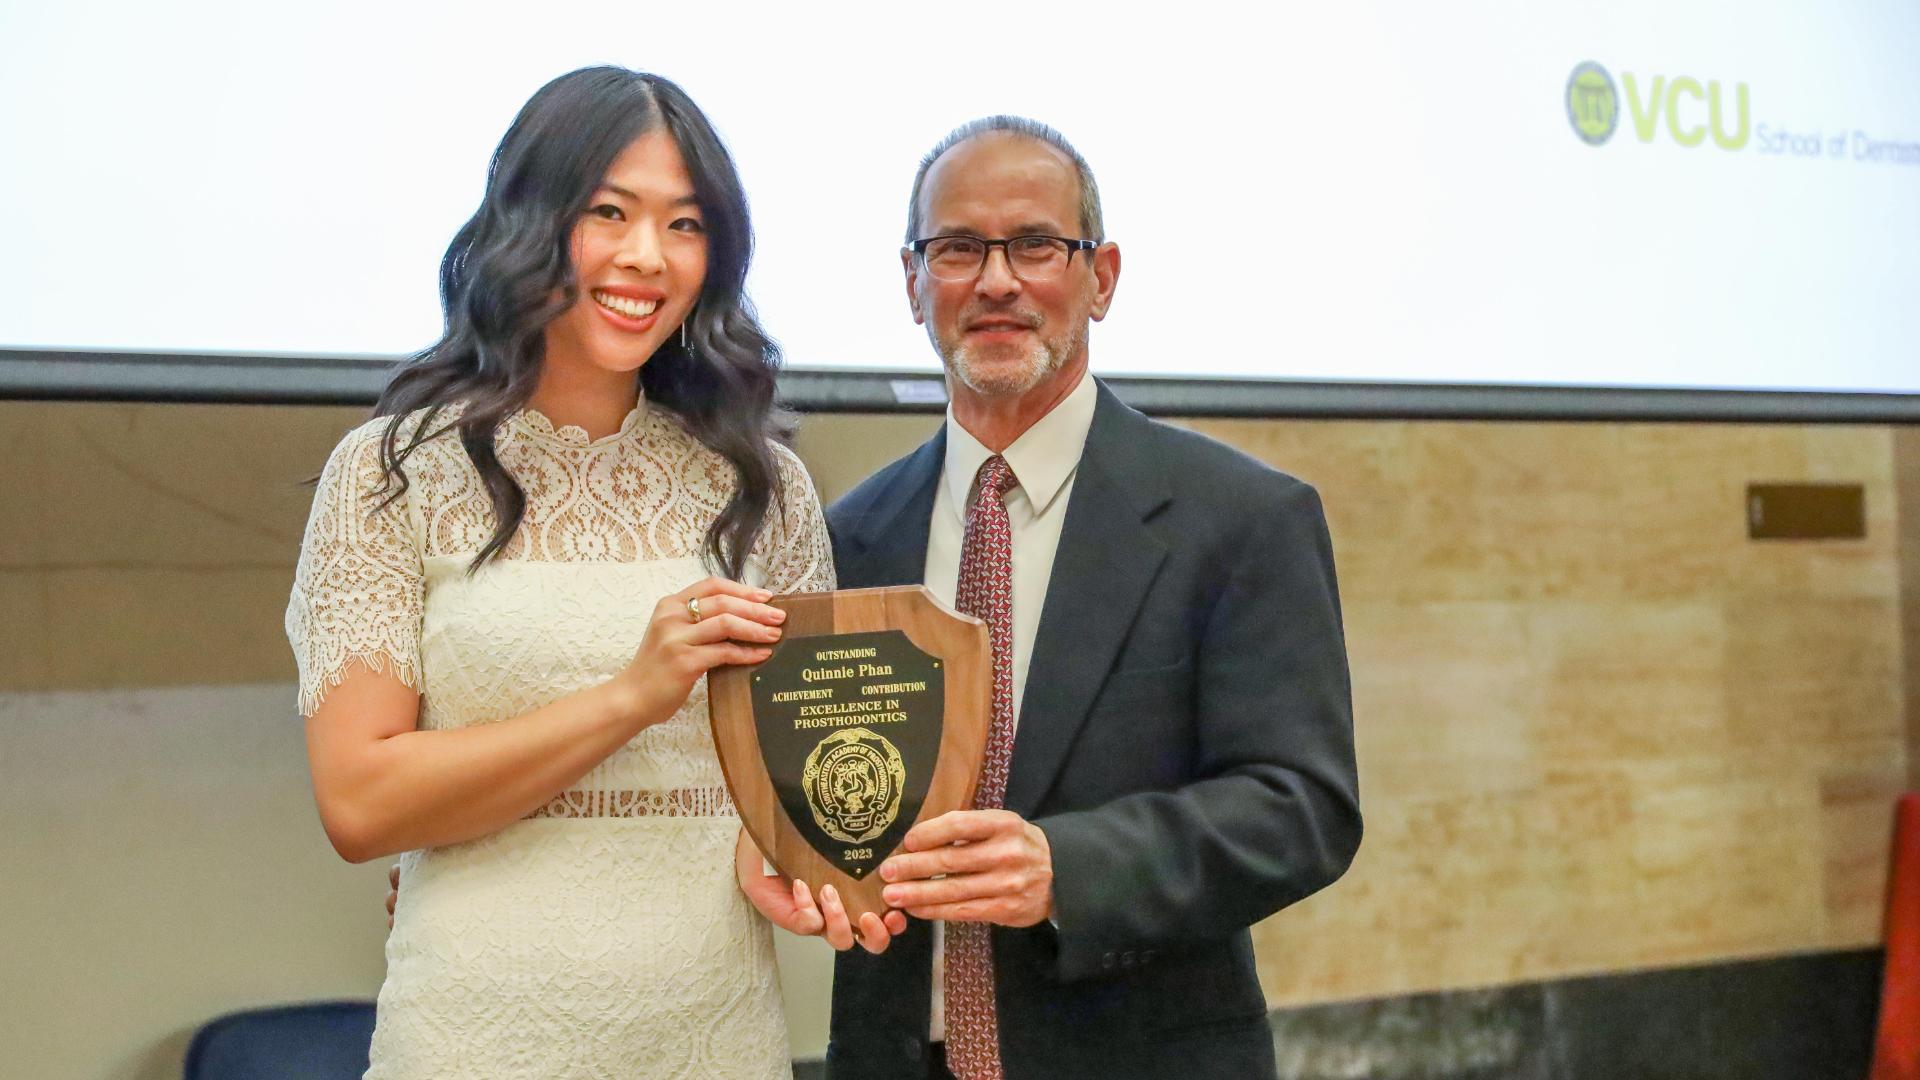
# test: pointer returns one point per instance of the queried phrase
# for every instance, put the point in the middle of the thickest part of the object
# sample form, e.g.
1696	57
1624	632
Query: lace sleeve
794	548
357	591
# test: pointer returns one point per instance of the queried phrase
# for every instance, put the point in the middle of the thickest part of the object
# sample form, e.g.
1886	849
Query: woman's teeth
632	309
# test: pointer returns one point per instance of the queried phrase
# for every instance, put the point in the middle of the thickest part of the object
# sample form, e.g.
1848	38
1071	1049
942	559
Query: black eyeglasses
1031	258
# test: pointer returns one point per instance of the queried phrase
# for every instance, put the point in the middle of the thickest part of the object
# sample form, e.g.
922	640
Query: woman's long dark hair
509	272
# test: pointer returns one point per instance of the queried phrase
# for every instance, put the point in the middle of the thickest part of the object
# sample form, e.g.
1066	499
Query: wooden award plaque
871	715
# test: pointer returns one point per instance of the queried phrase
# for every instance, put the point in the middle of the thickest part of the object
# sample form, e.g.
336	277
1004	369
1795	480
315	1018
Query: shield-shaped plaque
871	715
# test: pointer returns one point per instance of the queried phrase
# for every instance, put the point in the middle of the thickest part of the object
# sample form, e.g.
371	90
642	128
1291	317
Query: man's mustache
1030	320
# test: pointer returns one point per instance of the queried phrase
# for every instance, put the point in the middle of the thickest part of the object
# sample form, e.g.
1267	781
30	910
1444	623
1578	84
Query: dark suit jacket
1185	743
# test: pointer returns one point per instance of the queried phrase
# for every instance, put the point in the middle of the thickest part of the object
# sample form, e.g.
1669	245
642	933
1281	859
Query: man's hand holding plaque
988	866
869	718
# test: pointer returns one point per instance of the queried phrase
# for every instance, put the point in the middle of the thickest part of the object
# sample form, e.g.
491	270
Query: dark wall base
1808	1017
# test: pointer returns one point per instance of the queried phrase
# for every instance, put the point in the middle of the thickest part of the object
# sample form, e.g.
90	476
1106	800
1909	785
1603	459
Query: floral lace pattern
642	494
602	936
680	802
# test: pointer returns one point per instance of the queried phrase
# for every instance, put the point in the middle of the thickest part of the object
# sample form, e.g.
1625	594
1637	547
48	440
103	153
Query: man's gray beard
1042	360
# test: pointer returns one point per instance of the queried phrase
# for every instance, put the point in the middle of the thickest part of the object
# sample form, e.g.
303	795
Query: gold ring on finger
693	609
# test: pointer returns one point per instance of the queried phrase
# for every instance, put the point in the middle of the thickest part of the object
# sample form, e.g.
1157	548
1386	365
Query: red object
1896	1055
985	591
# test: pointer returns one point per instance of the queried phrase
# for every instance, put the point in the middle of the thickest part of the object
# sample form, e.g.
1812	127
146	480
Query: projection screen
1633	198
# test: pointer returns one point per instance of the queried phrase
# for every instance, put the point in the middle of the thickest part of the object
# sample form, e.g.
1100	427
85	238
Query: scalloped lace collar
535	424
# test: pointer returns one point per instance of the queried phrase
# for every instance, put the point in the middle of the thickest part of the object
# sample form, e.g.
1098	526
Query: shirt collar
1044	457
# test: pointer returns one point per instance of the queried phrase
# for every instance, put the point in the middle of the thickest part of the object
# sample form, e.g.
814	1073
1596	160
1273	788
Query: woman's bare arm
384	787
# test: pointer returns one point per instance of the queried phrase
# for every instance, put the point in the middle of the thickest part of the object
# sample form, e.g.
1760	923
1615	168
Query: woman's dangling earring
685	347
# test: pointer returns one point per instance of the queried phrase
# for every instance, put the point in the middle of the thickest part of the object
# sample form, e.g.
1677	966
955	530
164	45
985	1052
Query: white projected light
1640	193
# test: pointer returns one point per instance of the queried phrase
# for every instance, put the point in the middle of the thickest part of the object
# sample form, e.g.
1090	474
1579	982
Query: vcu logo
1592	103
1593	107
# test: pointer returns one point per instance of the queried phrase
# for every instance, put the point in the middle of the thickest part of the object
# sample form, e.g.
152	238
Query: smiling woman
615	181
513	583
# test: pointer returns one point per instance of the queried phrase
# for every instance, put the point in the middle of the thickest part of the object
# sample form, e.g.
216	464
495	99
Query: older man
1171	757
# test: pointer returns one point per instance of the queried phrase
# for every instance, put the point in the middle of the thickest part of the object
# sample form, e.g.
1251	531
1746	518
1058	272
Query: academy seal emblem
853	780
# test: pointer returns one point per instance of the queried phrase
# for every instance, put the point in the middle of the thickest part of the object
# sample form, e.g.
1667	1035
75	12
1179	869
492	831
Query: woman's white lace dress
603	936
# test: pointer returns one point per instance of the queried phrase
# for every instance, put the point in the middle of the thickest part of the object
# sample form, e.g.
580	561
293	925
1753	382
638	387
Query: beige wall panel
1354	466
1598	727
1856	836
26	650
181	486
1906	459
1869	567
1816	679
1727	862
110	626
842	450
1624	683
1487	887
23	485
1455	677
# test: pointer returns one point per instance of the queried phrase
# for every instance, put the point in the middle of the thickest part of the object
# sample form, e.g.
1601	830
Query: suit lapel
889	541
1107	559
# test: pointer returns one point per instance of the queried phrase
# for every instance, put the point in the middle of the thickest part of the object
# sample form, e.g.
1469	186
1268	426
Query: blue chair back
320	1041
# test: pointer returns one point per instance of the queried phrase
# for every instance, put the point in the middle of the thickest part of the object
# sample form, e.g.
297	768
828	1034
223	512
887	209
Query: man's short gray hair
1091	226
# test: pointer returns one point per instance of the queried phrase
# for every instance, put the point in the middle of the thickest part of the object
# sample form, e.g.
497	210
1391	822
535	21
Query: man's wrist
1046	842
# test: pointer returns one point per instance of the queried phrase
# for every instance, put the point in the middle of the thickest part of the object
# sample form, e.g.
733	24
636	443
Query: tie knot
997	476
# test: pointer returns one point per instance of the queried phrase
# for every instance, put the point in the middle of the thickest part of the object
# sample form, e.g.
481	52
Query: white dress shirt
1044	459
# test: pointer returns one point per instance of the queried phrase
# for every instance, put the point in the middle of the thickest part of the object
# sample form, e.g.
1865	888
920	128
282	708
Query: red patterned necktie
985	592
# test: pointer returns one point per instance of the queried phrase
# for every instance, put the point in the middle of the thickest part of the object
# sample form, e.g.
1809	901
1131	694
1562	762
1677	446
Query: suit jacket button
1147	956
1107	961
1127	958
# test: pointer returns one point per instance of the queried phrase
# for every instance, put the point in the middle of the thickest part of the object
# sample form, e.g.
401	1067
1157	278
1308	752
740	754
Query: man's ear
910	269
1106	278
